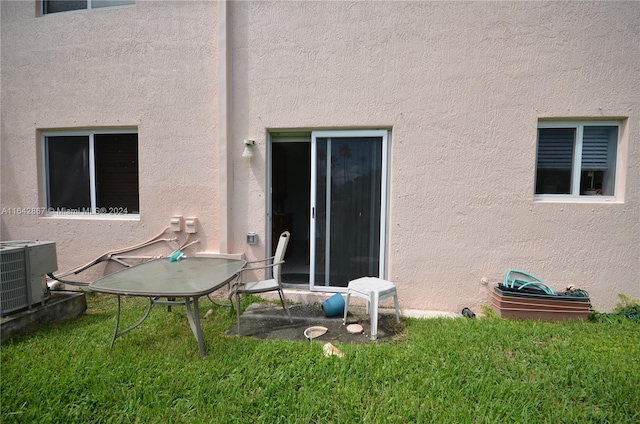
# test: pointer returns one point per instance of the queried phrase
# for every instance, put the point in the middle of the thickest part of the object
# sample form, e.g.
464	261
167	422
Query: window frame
72	213
576	167
89	3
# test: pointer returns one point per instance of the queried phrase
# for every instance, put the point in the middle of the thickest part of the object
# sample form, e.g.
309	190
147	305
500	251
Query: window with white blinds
576	158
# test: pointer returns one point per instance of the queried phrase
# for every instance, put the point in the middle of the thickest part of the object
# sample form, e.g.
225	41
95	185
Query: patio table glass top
189	277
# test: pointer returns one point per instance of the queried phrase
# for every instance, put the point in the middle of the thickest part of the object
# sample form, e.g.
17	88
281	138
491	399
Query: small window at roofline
577	158
57	6
92	173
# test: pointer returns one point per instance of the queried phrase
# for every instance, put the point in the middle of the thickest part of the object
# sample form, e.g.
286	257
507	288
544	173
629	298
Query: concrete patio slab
269	321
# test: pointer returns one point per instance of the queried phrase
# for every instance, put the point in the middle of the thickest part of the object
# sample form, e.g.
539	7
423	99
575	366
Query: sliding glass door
348	206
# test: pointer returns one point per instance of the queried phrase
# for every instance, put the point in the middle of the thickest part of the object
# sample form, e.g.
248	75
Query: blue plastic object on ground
333	306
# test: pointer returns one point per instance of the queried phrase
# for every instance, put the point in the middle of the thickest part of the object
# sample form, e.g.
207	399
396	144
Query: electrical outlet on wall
176	223
191	225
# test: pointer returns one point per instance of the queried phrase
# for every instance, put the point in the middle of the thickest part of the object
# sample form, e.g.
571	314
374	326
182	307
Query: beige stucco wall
152	67
460	85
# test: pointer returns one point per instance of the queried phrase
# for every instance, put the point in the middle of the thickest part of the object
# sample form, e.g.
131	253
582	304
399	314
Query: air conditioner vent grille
23	265
13	281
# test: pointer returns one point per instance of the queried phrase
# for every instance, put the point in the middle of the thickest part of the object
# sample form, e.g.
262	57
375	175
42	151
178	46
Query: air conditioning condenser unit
23	269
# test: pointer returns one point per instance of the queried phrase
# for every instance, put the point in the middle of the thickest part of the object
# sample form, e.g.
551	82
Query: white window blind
595	147
555	148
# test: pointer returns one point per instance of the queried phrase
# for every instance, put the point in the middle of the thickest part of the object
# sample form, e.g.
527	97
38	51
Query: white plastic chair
263	286
373	290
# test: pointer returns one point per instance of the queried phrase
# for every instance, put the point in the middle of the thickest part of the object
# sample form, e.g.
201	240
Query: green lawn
459	371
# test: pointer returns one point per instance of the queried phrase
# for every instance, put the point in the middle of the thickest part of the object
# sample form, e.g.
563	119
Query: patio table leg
222	305
137	324
194	322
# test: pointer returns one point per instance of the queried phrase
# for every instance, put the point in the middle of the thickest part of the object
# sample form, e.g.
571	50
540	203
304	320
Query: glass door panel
347	206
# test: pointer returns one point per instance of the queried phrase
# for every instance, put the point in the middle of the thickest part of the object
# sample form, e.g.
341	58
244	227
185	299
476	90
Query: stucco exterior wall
151	66
461	86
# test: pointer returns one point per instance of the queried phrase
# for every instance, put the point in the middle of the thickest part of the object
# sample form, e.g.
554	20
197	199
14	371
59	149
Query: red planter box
542	307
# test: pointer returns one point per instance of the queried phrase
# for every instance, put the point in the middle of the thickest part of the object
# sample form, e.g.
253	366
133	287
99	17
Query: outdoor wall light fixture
248	149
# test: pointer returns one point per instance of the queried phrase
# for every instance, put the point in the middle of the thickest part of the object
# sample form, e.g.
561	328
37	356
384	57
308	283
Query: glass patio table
189	278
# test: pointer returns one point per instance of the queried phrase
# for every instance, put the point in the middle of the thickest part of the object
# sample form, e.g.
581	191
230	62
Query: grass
459	371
